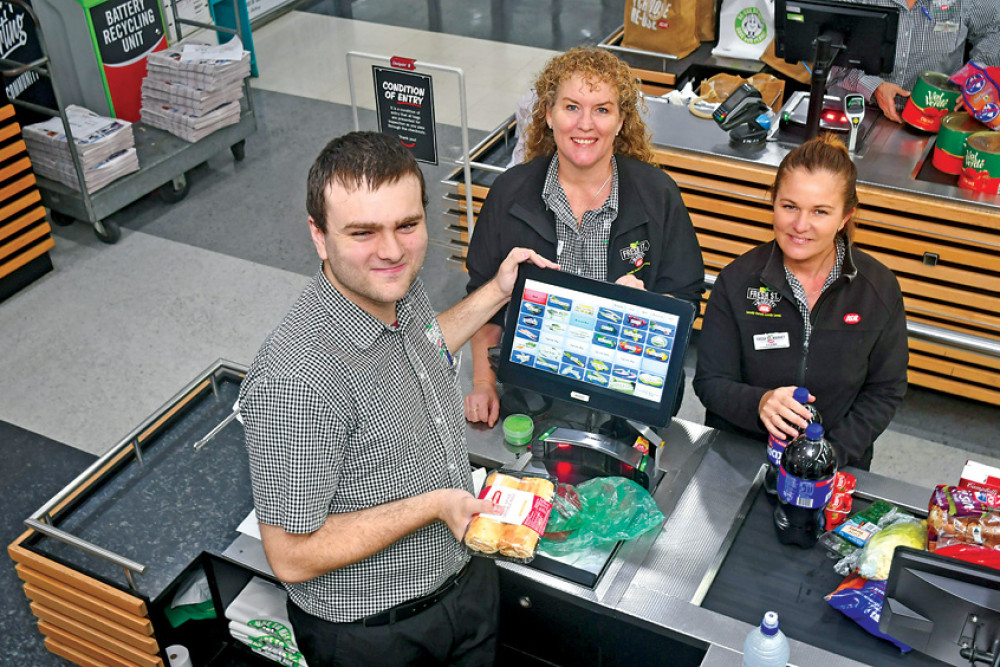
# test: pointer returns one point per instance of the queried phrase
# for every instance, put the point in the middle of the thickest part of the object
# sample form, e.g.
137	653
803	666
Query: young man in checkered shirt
356	432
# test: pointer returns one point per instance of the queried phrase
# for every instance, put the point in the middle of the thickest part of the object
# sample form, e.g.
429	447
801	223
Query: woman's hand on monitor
628	280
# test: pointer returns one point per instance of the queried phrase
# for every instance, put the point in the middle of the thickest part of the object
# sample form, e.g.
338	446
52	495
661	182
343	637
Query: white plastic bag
746	27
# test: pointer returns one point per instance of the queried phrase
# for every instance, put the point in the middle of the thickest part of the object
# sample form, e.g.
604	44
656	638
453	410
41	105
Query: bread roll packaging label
980	477
525	502
521	508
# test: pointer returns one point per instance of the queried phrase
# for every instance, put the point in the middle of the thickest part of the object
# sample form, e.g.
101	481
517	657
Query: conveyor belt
746	586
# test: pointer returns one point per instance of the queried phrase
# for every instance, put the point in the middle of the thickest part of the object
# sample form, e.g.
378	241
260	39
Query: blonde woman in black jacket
806	309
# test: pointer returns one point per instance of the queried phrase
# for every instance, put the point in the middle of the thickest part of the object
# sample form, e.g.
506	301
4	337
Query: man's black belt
411	608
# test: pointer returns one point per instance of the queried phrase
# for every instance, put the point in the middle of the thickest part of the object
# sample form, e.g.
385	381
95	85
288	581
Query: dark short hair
824	153
356	160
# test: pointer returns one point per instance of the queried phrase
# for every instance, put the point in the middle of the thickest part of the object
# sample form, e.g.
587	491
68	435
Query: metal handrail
127	564
41	519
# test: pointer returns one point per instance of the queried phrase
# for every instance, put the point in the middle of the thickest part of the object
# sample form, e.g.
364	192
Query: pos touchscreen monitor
943	607
603	346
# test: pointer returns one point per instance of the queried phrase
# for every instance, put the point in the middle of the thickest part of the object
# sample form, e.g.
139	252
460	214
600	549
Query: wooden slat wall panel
57	589
74	579
71	654
93	628
103	655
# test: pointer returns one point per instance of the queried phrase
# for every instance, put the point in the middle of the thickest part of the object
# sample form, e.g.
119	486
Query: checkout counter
941	241
103	559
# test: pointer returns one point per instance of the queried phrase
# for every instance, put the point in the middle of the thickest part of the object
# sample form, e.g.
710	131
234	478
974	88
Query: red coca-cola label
403	63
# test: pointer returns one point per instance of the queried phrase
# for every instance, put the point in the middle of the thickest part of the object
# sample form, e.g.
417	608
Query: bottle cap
801	394
814	431
769	626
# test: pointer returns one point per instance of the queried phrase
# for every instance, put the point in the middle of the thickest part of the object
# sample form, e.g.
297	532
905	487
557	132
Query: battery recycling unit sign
125	32
405	105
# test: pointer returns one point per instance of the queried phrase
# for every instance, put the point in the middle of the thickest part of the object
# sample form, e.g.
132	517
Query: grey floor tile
255	210
115	331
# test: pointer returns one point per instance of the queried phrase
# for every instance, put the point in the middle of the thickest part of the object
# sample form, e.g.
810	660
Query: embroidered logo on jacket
635	254
763	301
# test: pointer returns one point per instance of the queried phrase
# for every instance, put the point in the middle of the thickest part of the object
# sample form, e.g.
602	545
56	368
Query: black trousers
460	630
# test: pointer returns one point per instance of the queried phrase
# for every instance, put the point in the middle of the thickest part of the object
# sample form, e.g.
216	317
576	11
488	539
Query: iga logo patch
763	299
635	253
852	318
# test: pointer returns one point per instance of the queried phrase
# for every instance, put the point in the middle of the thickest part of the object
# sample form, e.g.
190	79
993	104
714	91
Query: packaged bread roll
520	541
514	532
484	533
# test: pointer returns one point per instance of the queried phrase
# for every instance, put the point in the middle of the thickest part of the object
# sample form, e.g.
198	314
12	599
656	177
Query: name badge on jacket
771	341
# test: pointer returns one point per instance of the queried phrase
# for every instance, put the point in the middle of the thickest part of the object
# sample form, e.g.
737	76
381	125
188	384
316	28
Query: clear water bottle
775	446
766	646
805	485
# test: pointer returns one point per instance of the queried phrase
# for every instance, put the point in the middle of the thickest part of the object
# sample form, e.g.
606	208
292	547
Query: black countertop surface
168	510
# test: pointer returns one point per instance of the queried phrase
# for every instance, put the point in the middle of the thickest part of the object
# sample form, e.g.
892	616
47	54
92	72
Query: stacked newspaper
106	148
191	90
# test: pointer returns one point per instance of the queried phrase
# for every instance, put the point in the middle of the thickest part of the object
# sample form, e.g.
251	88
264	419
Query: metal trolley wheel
174	191
239	150
107	231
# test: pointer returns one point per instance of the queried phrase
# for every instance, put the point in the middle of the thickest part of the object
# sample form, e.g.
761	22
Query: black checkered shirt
343	412
932	37
802	301
581	248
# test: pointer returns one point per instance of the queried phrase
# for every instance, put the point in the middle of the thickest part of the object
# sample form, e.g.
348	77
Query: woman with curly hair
587	198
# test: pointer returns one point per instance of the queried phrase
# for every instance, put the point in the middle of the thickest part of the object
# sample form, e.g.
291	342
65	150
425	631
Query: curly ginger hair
594	65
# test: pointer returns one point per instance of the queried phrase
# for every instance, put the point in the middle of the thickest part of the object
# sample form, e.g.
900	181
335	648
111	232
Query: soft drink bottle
766	646
805	485
775	445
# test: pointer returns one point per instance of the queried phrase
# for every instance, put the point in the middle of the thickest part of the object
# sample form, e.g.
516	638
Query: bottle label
804	493
775	447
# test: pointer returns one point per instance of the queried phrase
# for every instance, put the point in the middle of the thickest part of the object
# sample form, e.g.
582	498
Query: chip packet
981	92
861	601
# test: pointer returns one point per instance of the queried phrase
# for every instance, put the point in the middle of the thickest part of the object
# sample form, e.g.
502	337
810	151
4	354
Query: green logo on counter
751	26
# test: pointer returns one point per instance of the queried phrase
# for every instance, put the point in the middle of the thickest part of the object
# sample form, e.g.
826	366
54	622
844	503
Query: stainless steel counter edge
891	157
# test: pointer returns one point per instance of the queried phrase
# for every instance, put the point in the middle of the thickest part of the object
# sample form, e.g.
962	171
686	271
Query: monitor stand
827	46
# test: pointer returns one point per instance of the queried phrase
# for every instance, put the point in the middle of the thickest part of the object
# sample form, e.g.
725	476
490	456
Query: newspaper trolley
164	159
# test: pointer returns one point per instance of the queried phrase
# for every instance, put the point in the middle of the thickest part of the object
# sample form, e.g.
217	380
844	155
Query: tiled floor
91	349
